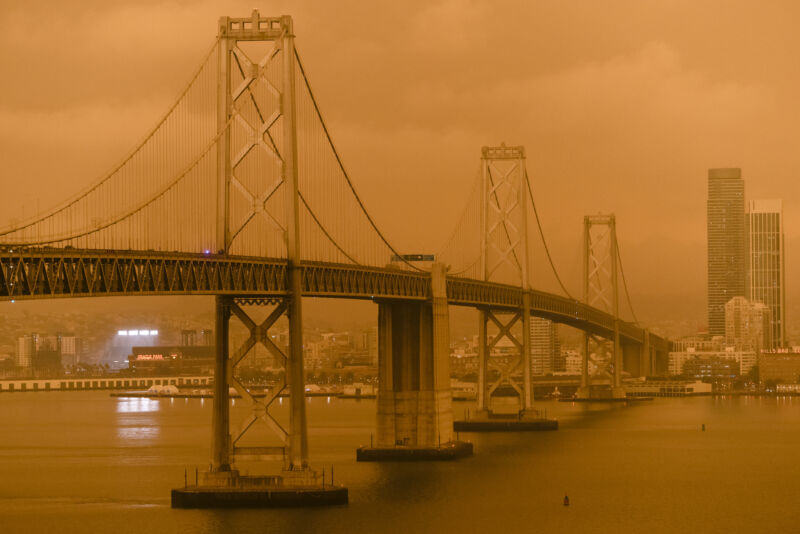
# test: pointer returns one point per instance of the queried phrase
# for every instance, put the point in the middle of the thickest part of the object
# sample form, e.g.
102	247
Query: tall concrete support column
483	359
385	401
220	418
440	386
414	398
646	365
415	414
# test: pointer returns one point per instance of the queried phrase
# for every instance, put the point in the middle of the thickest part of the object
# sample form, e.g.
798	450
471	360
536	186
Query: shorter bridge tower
504	376
601	357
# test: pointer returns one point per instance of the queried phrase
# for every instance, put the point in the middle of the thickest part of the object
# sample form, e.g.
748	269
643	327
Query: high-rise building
748	325
71	348
765	257
545	347
25	349
726	244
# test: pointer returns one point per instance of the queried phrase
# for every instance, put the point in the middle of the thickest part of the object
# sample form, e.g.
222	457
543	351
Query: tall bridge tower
600	290
256	161
504	258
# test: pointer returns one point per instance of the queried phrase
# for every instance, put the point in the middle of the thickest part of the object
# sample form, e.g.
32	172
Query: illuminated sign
150	357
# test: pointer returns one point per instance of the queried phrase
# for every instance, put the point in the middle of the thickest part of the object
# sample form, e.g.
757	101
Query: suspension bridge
239	192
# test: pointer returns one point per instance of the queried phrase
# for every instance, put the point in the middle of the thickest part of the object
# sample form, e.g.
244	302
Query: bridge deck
57	273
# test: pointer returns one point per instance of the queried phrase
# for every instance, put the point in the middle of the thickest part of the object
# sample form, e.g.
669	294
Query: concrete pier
415	413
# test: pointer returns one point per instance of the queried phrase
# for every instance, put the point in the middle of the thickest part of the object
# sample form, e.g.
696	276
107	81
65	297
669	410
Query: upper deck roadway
46	273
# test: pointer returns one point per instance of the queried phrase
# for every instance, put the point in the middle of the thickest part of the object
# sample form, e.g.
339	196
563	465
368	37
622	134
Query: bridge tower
504	258
600	290
256	115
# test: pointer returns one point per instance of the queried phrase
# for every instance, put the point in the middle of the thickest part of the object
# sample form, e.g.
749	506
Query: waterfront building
748	325
765	263
726	243
710	368
779	365
545	347
702	364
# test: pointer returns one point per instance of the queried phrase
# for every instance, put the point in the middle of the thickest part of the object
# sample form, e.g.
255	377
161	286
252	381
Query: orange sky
621	105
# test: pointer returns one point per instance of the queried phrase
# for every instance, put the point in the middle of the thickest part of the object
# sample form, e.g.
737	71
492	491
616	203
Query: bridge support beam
220	419
415	413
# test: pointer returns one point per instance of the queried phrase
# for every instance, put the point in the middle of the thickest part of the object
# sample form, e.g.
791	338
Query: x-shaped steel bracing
507	368
259	333
503	228
257	135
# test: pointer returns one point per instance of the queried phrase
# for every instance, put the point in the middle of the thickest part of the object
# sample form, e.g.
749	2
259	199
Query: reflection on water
137	405
137	433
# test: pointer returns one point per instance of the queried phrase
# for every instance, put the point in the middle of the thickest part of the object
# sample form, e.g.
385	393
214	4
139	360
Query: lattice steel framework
253	96
600	290
504	255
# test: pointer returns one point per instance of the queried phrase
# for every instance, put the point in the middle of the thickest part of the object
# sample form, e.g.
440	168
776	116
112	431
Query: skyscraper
765	257
726	244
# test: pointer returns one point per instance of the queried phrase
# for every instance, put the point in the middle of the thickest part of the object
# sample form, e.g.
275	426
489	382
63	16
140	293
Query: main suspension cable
324	231
341	166
143	204
82	194
625	285
544	241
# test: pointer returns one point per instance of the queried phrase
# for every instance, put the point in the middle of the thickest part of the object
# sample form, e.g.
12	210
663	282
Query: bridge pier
415	413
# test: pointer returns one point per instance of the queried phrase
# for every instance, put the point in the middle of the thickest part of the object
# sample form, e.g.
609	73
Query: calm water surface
87	462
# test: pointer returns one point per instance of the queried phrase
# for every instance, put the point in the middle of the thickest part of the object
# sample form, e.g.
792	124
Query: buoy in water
566	500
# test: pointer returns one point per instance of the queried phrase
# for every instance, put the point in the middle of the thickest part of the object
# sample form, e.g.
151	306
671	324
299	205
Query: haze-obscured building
711	368
25	348
780	365
726	243
765	261
748	325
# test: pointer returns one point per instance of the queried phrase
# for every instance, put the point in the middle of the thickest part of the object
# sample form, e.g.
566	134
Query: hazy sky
621	105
